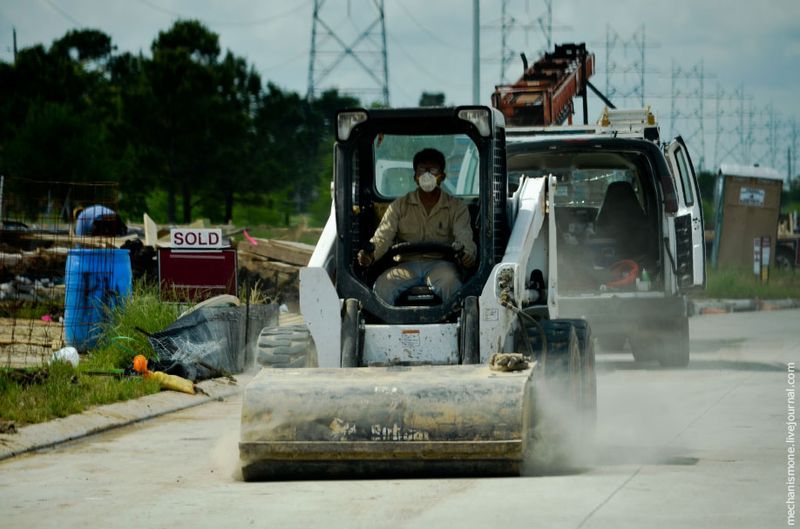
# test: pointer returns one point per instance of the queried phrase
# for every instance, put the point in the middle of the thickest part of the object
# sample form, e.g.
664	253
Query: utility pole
14	31
476	52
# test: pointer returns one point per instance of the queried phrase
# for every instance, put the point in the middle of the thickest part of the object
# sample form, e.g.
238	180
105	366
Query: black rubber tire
561	360
287	346
664	341
557	421
645	345
351	334
612	343
469	339
675	353
588	373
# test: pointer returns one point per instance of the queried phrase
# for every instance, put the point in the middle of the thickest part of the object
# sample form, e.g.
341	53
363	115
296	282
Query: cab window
394	171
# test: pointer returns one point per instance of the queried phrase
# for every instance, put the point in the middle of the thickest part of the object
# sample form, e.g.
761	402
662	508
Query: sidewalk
104	418
117	415
724	306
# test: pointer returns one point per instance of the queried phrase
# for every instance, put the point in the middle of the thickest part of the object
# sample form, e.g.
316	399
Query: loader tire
351	334
561	359
556	425
287	346
470	332
588	373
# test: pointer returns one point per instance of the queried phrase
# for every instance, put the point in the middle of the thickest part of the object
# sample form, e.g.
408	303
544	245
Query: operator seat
621	218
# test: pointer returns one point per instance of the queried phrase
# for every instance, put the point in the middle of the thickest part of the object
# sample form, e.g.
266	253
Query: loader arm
319	300
526	250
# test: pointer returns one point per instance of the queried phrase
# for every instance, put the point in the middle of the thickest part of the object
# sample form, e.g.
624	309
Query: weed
741	283
121	334
59	390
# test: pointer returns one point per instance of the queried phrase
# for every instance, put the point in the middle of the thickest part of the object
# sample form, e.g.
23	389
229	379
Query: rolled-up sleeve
387	230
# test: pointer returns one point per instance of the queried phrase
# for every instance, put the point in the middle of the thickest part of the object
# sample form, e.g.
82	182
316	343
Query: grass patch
41	394
59	390
740	283
121	338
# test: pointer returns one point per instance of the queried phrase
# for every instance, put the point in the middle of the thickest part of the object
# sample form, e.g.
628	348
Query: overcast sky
743	44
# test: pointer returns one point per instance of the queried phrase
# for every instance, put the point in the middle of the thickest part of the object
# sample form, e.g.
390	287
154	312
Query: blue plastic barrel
95	279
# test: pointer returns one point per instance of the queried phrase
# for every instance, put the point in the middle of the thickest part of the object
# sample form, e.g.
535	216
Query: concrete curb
724	306
111	416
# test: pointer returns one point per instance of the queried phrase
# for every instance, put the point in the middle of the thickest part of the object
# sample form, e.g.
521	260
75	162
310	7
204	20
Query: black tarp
212	341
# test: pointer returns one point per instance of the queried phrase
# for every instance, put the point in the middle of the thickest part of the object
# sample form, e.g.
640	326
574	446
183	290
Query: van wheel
612	342
675	348
664	341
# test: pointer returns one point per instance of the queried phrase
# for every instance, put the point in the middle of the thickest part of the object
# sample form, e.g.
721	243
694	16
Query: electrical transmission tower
730	128
358	35
631	64
509	26
688	85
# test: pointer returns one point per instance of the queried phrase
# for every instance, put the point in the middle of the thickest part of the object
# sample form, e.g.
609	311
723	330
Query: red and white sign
196	238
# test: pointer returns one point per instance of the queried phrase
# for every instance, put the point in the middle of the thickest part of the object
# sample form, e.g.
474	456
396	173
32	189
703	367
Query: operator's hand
467	260
365	258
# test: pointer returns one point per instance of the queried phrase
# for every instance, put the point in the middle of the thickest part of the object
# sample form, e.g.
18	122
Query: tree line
189	123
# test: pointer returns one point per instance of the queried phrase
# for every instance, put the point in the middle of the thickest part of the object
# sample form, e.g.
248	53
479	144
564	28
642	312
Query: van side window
686	177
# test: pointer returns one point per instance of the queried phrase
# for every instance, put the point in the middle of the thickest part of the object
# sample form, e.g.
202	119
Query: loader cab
373	167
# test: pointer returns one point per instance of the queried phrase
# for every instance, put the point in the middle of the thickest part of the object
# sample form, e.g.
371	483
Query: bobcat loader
426	385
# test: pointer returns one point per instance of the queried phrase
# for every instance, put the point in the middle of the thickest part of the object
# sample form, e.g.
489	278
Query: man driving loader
427	214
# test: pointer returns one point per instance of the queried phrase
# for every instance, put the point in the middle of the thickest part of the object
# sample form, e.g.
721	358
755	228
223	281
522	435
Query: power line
416	62
432	34
223	23
63	13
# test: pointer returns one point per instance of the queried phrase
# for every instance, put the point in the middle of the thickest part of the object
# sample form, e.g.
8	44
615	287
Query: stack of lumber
282	259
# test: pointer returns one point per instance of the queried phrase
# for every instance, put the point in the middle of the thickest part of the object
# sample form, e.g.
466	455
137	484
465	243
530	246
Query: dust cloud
638	423
225	456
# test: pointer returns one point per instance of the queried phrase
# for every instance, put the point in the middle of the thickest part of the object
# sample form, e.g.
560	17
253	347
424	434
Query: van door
690	251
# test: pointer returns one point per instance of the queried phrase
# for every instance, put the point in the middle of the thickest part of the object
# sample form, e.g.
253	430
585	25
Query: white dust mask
427	182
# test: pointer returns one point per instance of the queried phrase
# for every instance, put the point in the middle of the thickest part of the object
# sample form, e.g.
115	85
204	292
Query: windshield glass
582	179
394	171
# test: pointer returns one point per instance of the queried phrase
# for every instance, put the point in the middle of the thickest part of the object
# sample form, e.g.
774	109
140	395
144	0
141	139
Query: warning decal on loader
410	338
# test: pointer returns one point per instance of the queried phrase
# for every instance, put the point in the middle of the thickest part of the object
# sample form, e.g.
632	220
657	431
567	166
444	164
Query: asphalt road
700	447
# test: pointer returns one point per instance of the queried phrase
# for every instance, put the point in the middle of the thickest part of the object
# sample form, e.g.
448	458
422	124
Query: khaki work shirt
406	220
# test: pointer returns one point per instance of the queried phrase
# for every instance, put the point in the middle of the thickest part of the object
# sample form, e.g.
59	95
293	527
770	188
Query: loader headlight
346	121
478	117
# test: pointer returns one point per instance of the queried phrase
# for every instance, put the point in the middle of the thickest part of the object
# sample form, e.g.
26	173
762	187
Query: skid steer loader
421	386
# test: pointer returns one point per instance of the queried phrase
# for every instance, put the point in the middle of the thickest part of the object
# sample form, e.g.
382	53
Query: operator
427	214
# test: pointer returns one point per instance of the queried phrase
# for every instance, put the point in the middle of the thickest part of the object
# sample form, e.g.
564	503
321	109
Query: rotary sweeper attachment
398	421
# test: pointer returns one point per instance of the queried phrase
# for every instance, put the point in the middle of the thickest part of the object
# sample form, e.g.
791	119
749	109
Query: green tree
200	122
56	109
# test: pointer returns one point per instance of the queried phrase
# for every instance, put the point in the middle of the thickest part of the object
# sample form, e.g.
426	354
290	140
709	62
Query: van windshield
394	171
582	179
